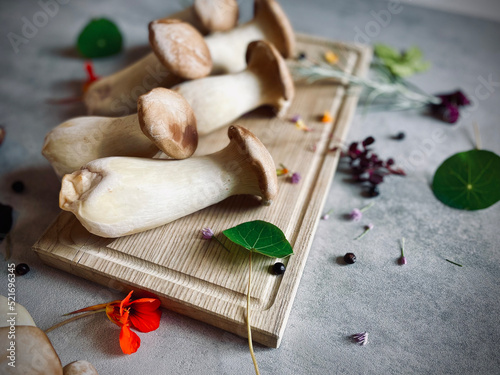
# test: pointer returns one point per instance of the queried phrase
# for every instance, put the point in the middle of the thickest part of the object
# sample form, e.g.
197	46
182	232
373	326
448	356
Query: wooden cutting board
199	278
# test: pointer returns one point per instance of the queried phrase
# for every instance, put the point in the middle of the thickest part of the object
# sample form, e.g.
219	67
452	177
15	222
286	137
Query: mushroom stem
83	139
219	100
228	49
270	23
116	95
119	196
180	53
164	121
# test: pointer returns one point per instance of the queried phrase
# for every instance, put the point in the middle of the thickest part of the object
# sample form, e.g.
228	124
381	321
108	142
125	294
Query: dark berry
350	258
22	269
374	191
18	186
301	56
400	136
368	141
279	268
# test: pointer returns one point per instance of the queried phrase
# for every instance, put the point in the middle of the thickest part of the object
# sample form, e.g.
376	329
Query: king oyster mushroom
118	196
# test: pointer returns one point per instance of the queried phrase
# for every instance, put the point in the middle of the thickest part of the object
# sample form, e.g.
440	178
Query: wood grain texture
199	278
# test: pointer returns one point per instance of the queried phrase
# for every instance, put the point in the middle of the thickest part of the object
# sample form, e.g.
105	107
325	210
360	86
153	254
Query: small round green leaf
468	180
261	237
100	38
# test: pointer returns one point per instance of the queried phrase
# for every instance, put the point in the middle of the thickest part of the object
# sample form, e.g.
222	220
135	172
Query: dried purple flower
402	259
207	233
327	215
361	338
295	178
449	108
357	214
457	97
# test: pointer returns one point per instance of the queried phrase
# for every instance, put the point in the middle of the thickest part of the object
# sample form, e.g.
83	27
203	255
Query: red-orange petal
145	320
129	341
125	302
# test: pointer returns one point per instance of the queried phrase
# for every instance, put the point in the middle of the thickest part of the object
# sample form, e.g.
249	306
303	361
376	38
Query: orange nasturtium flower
142	315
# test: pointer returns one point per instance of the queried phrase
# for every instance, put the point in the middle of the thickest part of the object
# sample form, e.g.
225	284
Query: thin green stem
64	322
249	328
366	208
403	247
456	264
220	243
363	234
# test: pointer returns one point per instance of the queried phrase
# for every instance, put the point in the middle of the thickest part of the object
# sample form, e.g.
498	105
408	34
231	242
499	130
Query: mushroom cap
79	368
265	61
216	15
167	119
33	354
259	158
180	47
272	18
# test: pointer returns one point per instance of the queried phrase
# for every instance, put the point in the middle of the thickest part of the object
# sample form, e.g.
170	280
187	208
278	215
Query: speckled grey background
428	317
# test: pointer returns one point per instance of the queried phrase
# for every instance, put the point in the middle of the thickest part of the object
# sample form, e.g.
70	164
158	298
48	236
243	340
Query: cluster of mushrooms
195	85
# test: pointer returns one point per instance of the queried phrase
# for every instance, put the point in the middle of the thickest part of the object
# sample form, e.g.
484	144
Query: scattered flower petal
295	118
361	338
91	77
283	171
327	117
356	215
326	216
331	57
300	124
295	179
207	233
313	147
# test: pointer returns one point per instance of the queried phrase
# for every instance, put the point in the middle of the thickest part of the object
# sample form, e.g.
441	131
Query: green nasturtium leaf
261	237
100	38
468	180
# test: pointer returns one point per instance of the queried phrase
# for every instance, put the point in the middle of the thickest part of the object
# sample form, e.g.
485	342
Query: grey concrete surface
428	317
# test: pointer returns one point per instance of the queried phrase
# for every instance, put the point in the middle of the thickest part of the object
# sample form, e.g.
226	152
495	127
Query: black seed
301	56
350	258
374	191
18	186
279	268
22	269
400	136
